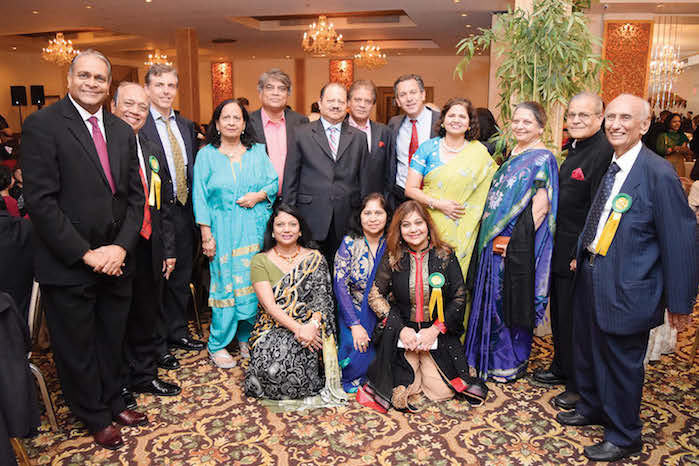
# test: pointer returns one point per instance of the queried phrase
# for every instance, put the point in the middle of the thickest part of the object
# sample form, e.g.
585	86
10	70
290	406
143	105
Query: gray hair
160	69
599	104
408	77
362	83
94	53
121	85
276	74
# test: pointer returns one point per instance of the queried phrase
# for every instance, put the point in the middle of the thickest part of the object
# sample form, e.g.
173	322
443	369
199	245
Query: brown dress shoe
108	438
131	418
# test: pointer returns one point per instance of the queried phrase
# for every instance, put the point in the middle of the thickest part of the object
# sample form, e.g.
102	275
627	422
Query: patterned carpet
213	423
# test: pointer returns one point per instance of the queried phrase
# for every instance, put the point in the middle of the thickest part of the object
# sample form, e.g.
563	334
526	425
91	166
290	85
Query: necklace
289	259
450	149
527	147
232	153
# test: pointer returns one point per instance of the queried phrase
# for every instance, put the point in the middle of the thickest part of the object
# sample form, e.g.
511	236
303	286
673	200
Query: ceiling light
322	39
148	1
288	56
14	47
464	14
35	12
88	6
468	25
253	57
370	56
457	1
59	51
157	59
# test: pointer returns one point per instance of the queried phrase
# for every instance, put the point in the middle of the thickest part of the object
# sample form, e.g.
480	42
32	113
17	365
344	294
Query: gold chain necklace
289	259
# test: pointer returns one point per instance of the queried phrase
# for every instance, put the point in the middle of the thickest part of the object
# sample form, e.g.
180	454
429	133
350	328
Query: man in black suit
176	137
274	124
85	199
154	255
588	158
362	97
324	167
409	131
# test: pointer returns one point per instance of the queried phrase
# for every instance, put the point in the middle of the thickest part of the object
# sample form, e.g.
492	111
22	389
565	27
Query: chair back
34	314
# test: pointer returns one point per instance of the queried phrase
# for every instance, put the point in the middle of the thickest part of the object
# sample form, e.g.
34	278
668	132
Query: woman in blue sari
356	261
234	186
514	253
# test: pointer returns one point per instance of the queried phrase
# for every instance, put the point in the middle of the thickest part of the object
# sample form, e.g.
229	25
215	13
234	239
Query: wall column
187	46
299	86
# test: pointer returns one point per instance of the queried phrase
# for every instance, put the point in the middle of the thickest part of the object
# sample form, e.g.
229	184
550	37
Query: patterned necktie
593	219
332	140
178	159
101	146
146	228
413	141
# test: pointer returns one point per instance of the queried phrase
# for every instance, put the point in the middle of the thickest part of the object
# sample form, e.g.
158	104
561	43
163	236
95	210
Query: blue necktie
605	190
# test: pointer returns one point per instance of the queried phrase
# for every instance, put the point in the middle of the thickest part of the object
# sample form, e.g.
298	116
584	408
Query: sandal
244	349
222	359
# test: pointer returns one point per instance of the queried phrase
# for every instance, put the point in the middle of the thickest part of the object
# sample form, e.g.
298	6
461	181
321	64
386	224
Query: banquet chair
195	305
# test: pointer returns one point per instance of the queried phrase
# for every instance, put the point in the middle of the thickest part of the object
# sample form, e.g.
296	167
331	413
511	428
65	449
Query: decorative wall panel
221	82
627	45
342	71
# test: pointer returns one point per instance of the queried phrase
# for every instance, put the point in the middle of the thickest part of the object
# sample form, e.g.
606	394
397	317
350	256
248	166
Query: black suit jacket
321	187
163	227
394	125
381	155
67	194
291	118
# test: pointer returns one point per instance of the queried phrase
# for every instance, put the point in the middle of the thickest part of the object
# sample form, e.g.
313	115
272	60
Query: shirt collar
266	119
156	115
422	117
628	158
327	124
352	122
84	114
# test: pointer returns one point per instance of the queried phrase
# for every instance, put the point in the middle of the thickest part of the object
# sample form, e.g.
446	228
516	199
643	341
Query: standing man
274	124
636	257
589	155
85	199
323	170
362	98
154	254
409	131
176	137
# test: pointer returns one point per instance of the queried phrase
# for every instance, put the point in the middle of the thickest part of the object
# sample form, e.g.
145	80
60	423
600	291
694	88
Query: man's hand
94	259
168	267
678	321
573	265
114	260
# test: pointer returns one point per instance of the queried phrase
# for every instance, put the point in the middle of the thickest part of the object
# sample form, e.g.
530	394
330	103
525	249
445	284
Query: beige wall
688	88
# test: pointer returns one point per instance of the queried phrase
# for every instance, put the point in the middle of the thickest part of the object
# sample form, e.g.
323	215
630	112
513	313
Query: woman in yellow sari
451	175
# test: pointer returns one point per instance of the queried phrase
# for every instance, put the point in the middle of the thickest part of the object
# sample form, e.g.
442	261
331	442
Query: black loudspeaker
19	95
37	94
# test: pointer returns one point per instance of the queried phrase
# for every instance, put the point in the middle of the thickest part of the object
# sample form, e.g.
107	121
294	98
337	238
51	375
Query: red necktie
413	142
101	147
146	228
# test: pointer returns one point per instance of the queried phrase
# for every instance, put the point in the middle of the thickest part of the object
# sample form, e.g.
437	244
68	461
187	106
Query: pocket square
578	174
381	144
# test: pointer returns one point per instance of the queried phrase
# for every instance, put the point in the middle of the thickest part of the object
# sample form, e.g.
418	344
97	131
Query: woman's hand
360	338
426	338
451	209
208	246
409	338
249	200
309	336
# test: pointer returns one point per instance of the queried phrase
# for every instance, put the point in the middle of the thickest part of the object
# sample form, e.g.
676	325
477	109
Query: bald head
627	118
131	104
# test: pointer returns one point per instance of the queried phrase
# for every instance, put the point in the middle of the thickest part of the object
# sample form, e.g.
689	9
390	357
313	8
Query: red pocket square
381	144
578	174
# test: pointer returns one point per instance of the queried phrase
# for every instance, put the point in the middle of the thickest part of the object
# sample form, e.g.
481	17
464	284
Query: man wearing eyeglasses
273	124
589	155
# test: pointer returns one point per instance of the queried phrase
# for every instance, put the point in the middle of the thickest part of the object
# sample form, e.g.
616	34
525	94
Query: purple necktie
101	147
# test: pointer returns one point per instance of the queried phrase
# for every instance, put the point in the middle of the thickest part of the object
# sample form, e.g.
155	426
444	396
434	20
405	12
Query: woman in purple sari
514	253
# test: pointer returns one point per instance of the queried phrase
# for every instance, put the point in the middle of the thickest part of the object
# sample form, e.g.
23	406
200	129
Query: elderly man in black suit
175	136
324	167
362	98
154	254
85	199
274	123
409	131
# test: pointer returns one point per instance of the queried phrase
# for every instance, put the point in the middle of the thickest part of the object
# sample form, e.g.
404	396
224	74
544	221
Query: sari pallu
496	349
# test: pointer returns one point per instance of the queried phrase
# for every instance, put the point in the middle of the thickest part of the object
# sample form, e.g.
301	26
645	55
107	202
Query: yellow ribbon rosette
621	203
436	281
154	196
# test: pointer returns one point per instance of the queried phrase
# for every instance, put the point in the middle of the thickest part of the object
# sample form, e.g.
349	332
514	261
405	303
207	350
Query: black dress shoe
157	387
548	377
187	343
168	362
128	398
607	451
573	418
566	400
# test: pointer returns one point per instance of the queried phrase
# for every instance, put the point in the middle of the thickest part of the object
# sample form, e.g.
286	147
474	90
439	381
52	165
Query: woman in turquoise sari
514	253
234	187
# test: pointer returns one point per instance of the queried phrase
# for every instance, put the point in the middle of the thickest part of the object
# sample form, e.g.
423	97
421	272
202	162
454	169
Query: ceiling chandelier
321	38
370	56
59	51
157	59
665	65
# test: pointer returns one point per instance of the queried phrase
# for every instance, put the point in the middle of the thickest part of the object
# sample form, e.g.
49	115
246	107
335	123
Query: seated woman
356	262
419	349
295	326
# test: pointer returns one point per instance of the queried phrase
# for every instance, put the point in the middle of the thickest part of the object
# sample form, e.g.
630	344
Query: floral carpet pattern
212	422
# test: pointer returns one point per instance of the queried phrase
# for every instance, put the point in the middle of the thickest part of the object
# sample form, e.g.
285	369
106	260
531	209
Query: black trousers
140	351
87	324
562	328
173	321
608	369
396	197
331	243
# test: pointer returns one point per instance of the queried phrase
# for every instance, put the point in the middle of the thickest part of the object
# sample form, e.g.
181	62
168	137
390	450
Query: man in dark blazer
361	100
85	199
154	254
273	124
175	137
649	265
409	131
589	155
322	177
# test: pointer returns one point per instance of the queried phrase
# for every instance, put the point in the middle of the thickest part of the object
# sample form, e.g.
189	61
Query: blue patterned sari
495	350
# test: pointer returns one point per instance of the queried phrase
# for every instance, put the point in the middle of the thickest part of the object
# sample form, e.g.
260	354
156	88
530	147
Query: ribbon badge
154	196
436	281
621	204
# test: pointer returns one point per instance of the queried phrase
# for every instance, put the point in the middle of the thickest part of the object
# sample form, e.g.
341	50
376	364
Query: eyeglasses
583	116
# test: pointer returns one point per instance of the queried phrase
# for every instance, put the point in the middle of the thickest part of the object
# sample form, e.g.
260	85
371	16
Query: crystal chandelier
322	39
665	65
157	59
370	56
59	51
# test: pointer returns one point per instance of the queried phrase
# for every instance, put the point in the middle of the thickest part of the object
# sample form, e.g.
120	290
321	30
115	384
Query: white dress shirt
165	140
326	126
85	115
141	162
424	123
